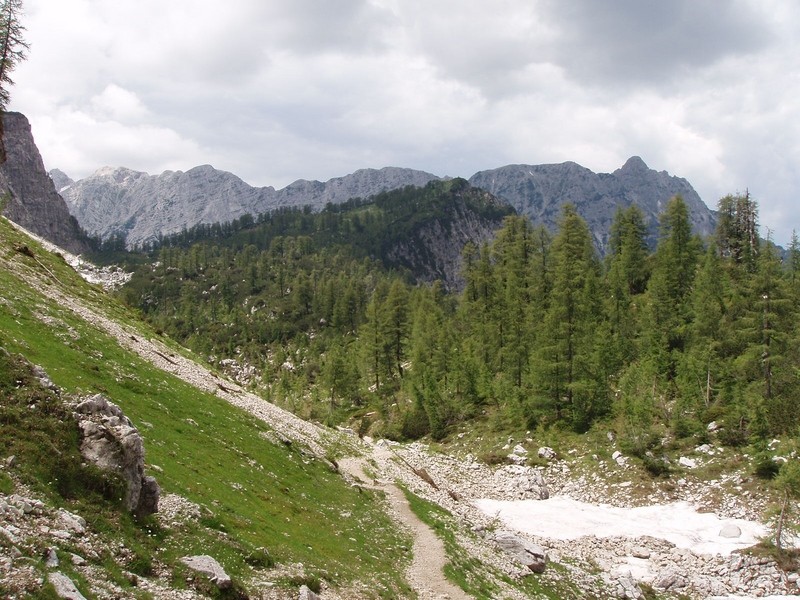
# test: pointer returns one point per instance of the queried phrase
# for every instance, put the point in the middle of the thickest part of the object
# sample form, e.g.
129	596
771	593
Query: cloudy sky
278	90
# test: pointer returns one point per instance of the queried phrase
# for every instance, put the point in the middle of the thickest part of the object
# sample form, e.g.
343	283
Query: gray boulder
730	530
110	441
524	552
209	567
64	586
307	594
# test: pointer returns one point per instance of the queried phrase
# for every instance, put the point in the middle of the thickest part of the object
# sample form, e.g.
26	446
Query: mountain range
142	207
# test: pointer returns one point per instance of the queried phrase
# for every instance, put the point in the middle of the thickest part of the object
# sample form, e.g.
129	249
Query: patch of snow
679	523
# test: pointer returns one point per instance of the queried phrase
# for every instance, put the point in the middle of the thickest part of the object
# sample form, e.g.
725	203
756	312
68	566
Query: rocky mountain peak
539	191
60	179
634	164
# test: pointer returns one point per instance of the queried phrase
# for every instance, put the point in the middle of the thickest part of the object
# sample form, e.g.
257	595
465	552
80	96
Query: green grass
254	493
474	577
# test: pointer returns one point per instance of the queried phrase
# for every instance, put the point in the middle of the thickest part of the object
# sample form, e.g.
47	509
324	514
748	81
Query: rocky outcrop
120	201
210	568
110	441
539	191
528	554
31	197
431	248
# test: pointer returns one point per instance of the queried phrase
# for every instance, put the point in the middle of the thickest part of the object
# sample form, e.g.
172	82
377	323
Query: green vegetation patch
253	493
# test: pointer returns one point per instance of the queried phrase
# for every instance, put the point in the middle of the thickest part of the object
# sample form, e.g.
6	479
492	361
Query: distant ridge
539	191
143	207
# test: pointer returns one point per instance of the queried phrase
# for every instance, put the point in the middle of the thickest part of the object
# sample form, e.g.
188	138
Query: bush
766	468
657	467
260	558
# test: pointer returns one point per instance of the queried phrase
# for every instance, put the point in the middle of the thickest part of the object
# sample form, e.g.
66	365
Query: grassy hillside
253	491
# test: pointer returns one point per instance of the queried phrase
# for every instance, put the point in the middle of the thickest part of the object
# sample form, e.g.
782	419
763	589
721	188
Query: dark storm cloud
650	41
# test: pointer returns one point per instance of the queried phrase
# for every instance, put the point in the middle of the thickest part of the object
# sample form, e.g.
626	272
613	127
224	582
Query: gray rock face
526	553
33	200
434	250
141	206
110	441
539	191
209	567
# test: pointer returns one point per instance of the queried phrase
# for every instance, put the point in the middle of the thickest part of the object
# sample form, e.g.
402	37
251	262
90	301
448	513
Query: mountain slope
32	199
253	481
539	191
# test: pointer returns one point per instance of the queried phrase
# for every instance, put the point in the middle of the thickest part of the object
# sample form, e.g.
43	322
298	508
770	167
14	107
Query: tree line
543	334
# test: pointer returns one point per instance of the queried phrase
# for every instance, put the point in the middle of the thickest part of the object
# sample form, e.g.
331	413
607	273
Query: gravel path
426	572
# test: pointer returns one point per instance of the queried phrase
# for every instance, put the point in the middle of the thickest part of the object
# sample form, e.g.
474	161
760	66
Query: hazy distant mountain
142	207
539	191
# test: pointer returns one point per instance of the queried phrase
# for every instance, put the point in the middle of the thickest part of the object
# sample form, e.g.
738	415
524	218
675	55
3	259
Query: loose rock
208	566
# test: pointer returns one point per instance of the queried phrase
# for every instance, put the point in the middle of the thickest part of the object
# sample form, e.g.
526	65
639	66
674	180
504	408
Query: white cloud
118	104
276	91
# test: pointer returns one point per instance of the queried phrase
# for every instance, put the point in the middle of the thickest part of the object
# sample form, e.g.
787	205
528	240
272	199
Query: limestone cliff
539	191
31	199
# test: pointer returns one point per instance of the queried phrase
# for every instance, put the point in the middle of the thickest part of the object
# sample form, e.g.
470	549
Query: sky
279	90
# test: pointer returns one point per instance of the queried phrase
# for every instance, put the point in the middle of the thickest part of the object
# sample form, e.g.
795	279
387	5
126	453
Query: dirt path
426	572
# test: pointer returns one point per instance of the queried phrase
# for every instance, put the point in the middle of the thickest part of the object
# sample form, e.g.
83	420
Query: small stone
547	453
77	560
689	463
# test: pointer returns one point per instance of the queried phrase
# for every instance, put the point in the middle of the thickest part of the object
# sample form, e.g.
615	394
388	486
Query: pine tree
670	285
737	230
564	376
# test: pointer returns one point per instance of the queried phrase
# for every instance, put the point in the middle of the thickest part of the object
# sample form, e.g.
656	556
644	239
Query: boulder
547	453
689	463
524	552
628	589
730	531
670	580
307	594
207	566
110	441
64	586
